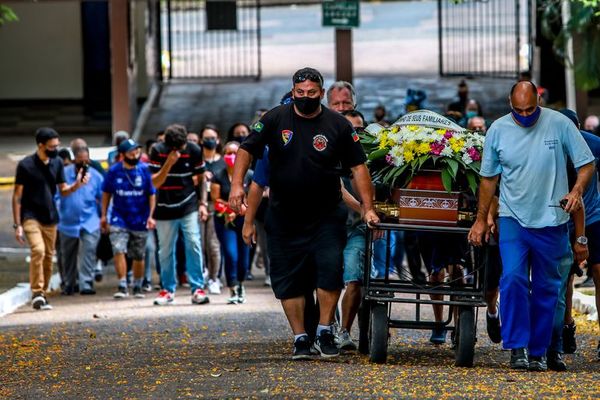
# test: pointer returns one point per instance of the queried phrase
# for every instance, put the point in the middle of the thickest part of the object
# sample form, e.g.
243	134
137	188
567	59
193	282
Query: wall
41	54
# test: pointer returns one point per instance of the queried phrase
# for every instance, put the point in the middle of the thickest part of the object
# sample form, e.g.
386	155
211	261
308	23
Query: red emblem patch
355	136
320	142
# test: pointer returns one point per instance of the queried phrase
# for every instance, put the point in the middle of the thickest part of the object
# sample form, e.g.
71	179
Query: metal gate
210	39
484	37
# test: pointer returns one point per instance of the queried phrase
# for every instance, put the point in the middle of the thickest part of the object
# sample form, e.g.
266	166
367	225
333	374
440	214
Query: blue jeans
396	252
528	307
236	252
559	316
168	232
354	256
150	257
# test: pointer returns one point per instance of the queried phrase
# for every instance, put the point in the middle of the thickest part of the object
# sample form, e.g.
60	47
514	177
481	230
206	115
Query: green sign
341	14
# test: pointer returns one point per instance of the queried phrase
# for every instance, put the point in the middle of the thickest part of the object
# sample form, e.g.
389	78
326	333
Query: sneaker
199	297
214	287
87	292
493	328
46	307
519	359
164	297
121	293
137	292
38	301
267	281
569	341
325	344
147	287
346	342
98	274
556	362
438	336
233	296
538	363
241	292
302	348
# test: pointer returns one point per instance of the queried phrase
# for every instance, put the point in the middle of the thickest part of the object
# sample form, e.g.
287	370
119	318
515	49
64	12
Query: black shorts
303	261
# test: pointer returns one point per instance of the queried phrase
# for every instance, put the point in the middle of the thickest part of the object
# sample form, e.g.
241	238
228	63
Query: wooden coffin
426	207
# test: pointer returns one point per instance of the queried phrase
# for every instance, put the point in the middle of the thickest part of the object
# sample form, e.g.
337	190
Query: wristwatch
15	226
582	240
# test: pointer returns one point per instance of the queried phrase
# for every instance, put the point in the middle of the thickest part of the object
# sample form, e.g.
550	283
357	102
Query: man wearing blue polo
528	148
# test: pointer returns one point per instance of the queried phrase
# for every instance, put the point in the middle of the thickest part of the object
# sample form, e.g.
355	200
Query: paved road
97	348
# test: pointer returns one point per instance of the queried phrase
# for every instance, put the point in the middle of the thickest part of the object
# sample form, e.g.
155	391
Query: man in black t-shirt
309	147
34	211
174	163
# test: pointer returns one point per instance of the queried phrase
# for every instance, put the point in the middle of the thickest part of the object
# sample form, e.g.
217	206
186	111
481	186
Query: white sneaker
164	297
268	281
214	287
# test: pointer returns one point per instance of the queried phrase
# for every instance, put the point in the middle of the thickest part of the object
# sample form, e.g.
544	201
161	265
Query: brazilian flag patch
258	127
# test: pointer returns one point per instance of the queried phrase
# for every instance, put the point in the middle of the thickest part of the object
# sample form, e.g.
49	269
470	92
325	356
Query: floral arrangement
423	140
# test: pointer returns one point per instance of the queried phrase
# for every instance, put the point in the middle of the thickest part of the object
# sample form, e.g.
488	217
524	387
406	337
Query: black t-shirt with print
306	157
221	178
39	182
177	196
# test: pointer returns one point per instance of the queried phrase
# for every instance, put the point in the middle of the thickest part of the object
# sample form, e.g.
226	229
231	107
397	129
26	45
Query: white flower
467	159
447	152
398	161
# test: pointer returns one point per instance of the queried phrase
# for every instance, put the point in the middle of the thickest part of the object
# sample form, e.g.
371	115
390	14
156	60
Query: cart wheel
465	337
379	333
364	319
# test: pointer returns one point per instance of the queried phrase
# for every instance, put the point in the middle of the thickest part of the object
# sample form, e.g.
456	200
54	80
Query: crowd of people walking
292	192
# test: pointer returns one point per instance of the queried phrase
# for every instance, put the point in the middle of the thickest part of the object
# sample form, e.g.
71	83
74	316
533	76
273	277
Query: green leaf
472	179
447	180
453	164
377	154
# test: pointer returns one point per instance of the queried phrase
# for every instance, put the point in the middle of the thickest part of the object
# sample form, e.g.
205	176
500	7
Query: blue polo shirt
130	189
79	210
532	163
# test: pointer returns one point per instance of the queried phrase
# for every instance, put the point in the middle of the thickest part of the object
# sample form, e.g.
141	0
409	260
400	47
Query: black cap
572	115
128	145
42	135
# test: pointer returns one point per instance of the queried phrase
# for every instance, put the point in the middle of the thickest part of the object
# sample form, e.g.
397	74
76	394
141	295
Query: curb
585	304
7	181
21	294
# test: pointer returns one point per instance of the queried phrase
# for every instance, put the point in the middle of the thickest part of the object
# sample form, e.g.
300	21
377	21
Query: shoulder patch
258	127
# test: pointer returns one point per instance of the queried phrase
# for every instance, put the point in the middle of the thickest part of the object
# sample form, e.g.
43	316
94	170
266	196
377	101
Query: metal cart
380	294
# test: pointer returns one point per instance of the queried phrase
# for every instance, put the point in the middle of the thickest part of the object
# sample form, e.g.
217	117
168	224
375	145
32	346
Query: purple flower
448	135
436	148
474	154
389	159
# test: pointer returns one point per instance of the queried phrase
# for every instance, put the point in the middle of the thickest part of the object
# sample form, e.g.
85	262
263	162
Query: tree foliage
7	15
584	24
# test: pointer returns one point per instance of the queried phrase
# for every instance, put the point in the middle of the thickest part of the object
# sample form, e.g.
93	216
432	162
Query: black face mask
209	144
131	161
51	153
307	105
79	166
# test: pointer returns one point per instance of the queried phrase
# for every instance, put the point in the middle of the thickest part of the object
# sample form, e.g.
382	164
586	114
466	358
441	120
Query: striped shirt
177	196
